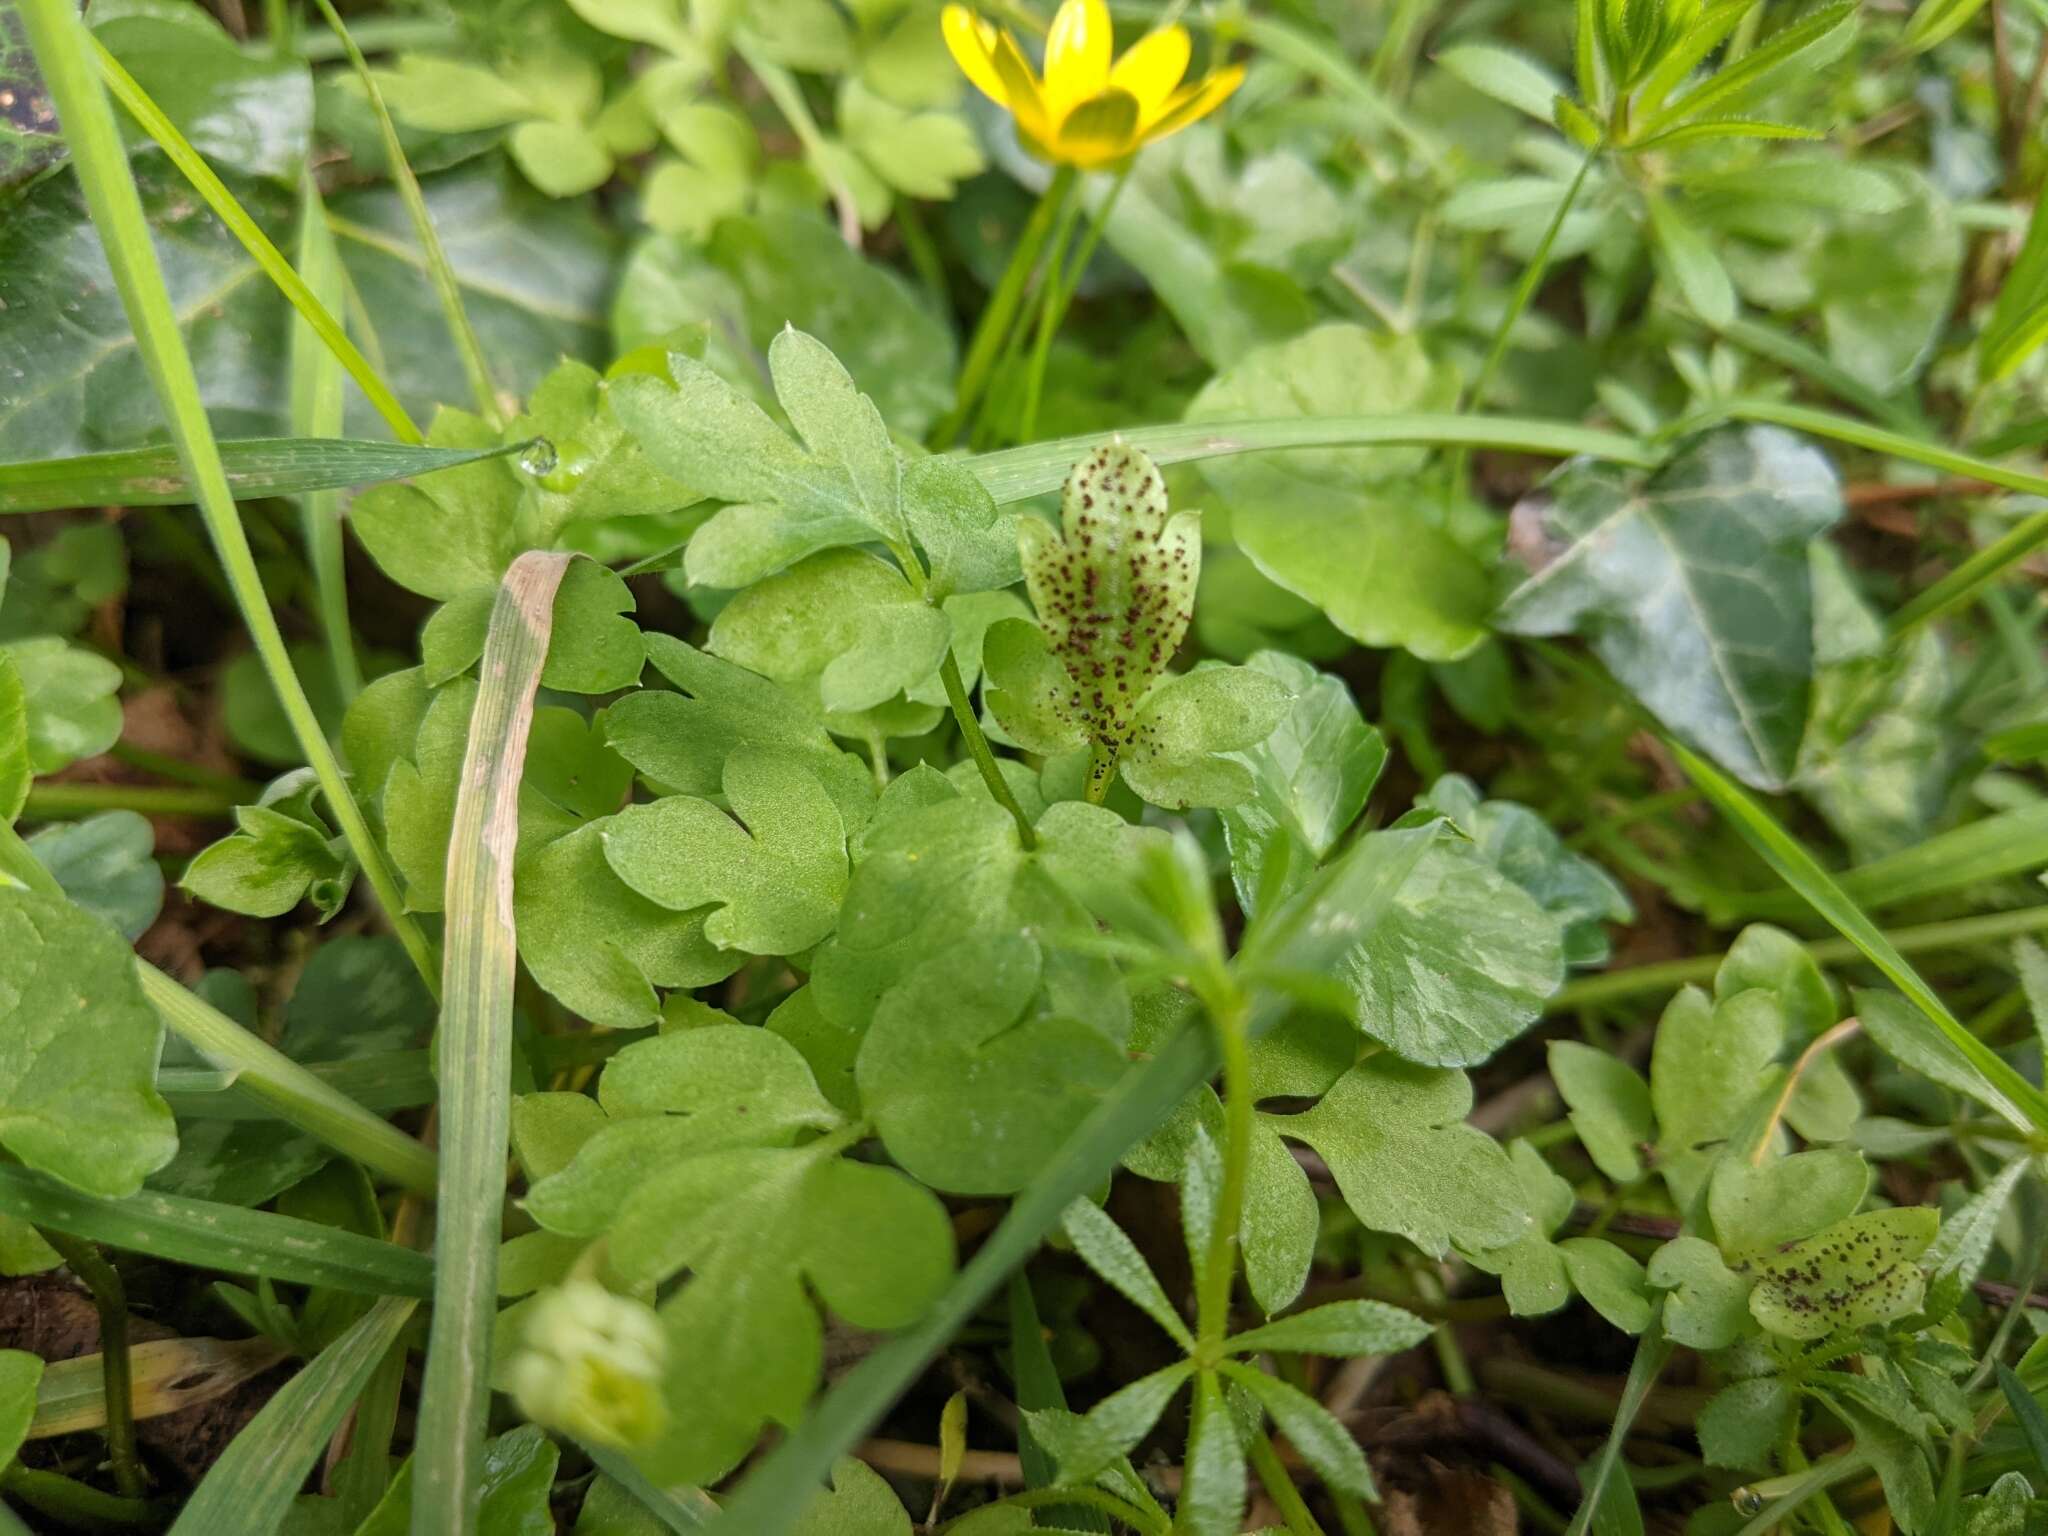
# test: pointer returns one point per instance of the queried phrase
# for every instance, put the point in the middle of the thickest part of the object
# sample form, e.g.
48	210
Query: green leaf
517	1476
1857	1272
2019	318
597	945
256	468
841	627
1104	1248
16	774
1310	778
1766	1205
773	877
20	1372
921	154
599	470
860	1503
1707	1064
1334	525
276	857
759	274
2027	1414
1504	75
1459	965
69	698
1609	1104
1324	1443
1029	691
1707	1305
1692	585
1689	260
453	532
1887	282
970	1091
107	864
1770	958
78	1102
1393	1135
594	649
1213	1479
1339	1329
1179	741
1610	1279
682	740
1746	1422
972	546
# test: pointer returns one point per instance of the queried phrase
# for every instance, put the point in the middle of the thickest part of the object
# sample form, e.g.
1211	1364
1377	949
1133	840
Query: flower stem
993	330
1064	283
978	748
111	1298
1050	310
1229	1012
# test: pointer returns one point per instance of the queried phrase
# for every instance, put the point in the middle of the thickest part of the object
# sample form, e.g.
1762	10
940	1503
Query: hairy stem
1229	1014
1280	1487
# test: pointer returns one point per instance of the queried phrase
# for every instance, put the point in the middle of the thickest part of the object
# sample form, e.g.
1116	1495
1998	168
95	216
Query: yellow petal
1151	69
1100	131
1076	54
1020	87
972	41
1195	101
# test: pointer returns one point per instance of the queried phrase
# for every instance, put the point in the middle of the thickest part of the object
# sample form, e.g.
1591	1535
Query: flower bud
592	1366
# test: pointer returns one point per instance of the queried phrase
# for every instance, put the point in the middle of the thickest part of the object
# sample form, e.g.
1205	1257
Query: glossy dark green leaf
1692	585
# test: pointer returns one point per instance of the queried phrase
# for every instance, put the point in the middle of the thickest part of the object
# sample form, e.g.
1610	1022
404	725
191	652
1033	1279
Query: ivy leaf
1458	965
841	627
1609	1104
1856	1273
107	864
773	877
450	532
1341	527
597	945
1310	775
77	1083
1175	753
1394	1136
1886	281
970	1091
682	740
1707	1305
69	698
1521	845
1692	585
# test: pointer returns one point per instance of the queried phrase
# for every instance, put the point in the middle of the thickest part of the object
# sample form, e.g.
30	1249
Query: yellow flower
1086	112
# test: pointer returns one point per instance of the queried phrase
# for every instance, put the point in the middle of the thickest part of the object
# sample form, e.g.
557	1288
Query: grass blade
213	1236
171	1375
251	1488
316	413
60	41
438	268
1016	473
1963	583
382	1081
475	1045
253	467
313	312
2027	1413
1803	873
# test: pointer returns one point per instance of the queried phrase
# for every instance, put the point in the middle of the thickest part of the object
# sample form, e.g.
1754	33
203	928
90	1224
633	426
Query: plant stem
1229	1014
788	97
77	1504
1050	310
69	802
181	772
1530	281
1286	1497
59	39
1667	975
978	748
993	329
438	268
111	1298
